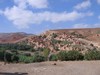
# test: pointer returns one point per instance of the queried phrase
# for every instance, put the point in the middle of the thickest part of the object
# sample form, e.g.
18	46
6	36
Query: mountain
91	34
65	39
12	37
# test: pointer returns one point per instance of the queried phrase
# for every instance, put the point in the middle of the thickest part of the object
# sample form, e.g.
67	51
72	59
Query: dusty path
47	68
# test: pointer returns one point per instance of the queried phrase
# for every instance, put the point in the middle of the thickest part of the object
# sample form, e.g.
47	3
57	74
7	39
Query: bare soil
52	68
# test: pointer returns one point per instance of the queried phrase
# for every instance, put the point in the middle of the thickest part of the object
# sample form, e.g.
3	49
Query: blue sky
37	16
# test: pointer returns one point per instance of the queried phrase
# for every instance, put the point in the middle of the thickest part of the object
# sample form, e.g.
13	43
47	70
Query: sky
37	16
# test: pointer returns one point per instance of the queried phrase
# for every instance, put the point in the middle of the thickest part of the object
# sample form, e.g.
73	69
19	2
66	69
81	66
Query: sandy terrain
47	68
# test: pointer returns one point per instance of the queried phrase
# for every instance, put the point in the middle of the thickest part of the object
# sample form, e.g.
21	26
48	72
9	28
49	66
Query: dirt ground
48	68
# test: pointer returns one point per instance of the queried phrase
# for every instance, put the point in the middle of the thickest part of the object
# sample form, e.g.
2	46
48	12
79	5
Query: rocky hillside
65	39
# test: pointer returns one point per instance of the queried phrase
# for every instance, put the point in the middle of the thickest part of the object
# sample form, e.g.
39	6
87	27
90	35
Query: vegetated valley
52	45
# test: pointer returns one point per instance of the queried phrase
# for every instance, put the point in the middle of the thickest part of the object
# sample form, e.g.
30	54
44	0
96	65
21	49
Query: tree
46	53
53	57
38	58
62	55
74	55
1	56
15	57
7	57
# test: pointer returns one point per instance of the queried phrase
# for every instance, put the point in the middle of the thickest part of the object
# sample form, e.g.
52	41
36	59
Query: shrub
54	35
1	55
74	55
56	48
62	55
54	41
46	53
15	58
92	55
22	58
66	42
38	58
27	54
28	60
25	59
53	57
8	57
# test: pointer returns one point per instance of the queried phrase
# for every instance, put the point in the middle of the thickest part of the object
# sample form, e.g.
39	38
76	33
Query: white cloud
98	17
1	11
21	3
33	3
97	25
83	5
22	18
38	3
86	25
98	1
80	26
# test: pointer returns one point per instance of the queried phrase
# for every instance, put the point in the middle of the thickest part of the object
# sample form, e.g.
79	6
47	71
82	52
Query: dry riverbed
48	68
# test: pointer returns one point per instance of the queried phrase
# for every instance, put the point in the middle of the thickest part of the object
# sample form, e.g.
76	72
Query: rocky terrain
65	39
56	40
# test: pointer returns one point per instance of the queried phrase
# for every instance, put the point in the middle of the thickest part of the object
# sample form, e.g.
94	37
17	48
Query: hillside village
65	40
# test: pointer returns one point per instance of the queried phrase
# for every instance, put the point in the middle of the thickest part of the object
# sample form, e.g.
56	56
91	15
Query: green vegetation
92	55
15	47
77	35
54	35
54	41
62	55
31	59
38	58
1	56
74	55
8	57
18	53
70	55
14	56
15	53
25	59
56	48
46	53
98	32
53	57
